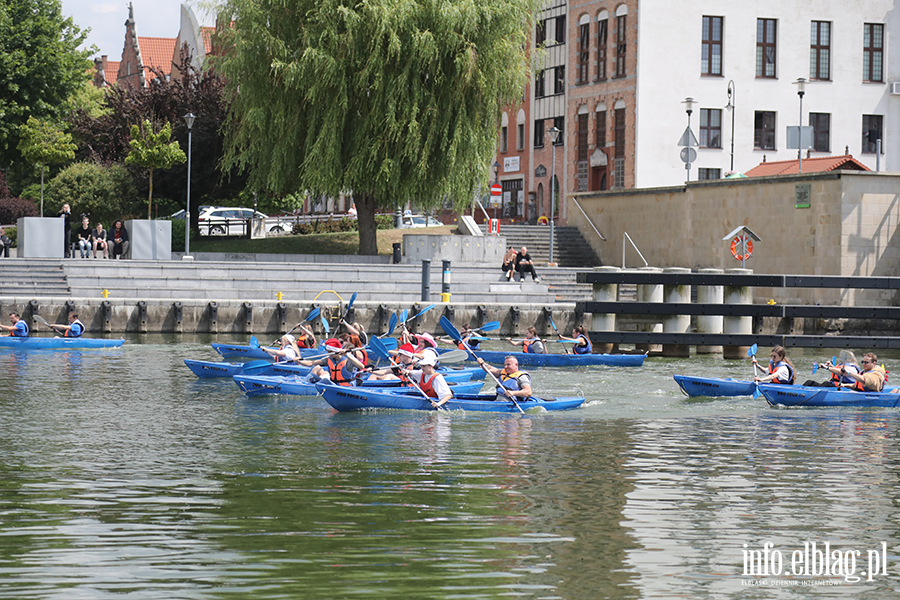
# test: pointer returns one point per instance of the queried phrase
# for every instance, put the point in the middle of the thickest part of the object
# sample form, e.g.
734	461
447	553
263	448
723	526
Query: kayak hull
347	399
54	343
261	385
563	360
713	387
206	369
798	395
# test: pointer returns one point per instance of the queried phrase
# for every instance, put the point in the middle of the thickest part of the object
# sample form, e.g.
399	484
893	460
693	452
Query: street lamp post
554	135
801	90
689	108
189	121
730	107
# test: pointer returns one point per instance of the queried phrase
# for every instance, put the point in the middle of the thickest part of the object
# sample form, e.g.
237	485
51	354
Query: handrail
600	235
481	206
635	248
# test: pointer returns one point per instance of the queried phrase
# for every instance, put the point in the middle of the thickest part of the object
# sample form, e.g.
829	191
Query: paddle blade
389	343
378	348
352	300
450	329
492	326
834	361
454	356
751	351
424	310
254	343
403	315
325	325
314	313
815	368
392	324
756	392
552	324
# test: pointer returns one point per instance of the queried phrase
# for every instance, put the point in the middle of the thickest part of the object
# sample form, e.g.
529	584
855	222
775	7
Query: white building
698	48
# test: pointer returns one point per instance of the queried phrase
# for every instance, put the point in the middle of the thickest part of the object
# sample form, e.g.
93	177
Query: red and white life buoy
739	243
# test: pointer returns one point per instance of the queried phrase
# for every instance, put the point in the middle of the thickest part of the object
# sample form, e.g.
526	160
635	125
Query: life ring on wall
741	242
543	220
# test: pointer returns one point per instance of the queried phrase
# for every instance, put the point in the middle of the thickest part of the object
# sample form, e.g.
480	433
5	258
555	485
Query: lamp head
689	105
730	104
554	134
189	120
801	86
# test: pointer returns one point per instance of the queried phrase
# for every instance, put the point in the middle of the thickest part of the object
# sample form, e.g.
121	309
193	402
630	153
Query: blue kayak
713	387
346	398
57	343
798	395
259	385
562	360
248	352
207	369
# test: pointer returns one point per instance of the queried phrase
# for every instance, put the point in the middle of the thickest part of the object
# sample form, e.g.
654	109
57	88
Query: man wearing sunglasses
872	377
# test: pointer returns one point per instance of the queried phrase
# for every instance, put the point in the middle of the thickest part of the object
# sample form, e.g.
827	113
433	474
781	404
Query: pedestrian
66	214
509	263
119	240
524	264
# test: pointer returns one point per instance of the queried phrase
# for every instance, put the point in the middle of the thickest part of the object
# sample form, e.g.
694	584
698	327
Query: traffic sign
496	190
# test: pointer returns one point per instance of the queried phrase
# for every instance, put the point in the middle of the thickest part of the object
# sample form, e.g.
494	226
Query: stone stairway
570	249
32	278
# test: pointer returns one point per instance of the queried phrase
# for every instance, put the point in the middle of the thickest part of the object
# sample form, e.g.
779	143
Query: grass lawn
318	243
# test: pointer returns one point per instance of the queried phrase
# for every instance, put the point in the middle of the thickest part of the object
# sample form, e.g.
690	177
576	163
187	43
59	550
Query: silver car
229	220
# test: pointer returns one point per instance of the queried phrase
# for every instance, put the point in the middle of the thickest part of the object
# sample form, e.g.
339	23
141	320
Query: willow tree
392	100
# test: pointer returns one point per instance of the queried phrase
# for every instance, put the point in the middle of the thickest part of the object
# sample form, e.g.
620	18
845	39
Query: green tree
43	143
153	151
105	193
394	100
40	66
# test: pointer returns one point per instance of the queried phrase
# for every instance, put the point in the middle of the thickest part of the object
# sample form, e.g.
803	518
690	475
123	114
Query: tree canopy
153	150
44	143
40	66
393	100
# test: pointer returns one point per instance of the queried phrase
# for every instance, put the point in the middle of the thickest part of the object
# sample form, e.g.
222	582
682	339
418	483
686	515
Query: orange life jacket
338	372
428	386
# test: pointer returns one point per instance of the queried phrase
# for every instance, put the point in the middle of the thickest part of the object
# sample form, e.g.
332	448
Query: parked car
230	220
409	221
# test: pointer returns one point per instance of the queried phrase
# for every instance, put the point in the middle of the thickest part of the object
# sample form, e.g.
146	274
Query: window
520	136
504	139
871	133
584	55
711	127
621	46
820	50
764	130
600	130
873	52
538	133
561	29
560	123
582	147
709	173
540	33
711	53
821	124
559	80
539	85
602	33
765	47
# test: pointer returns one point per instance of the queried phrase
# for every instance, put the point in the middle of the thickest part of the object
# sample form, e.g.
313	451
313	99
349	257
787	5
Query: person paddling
287	350
74	329
872	377
515	382
431	382
532	344
19	328
583	343
780	368
342	370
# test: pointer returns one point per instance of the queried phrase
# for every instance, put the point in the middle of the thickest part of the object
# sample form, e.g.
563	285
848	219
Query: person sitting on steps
524	264
509	263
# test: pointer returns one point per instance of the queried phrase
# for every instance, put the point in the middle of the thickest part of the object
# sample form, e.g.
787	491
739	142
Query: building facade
614	76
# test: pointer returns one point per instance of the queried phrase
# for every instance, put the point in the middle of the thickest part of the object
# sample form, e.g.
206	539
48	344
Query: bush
105	193
384	221
178	235
12	209
13	235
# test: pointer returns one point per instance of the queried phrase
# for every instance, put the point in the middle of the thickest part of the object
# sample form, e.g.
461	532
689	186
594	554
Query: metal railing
628	237
594	227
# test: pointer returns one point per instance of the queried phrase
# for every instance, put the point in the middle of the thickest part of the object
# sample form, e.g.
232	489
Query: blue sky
106	19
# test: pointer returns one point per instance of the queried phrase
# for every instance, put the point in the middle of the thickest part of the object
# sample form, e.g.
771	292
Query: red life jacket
428	386
365	356
301	341
338	372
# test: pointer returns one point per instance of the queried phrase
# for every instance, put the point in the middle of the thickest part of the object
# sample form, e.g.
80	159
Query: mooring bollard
604	292
733	294
426	280
445	281
649	292
676	294
709	294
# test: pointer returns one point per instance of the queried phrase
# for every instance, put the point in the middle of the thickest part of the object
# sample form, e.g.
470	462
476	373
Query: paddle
453	356
325	325
453	332
43	321
489	326
312	315
553	325
419	314
379	349
349	306
255	365
751	352
254	343
389	343
392	324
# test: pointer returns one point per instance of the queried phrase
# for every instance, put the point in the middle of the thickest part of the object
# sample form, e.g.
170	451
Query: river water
123	475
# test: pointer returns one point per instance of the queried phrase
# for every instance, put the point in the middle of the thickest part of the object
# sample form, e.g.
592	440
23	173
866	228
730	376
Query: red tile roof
156	53
810	165
207	34
111	72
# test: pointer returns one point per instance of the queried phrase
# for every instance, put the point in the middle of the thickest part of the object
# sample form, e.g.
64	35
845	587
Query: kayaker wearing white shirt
431	382
780	368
